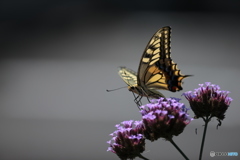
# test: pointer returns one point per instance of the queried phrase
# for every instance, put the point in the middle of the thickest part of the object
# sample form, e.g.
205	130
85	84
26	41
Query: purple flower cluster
164	118
127	141
167	117
208	101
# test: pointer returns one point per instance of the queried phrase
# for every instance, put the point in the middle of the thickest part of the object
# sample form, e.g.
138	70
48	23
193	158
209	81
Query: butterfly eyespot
173	89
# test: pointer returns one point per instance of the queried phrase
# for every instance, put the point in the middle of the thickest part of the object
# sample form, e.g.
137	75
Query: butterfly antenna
115	89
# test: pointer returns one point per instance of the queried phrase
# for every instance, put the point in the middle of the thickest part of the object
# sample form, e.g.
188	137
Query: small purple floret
164	118
209	101
127	141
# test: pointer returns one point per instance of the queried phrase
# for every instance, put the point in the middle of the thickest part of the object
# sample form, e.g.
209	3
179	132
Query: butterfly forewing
156	69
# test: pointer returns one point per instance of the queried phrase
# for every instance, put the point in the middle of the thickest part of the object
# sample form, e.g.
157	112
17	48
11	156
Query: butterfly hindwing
129	76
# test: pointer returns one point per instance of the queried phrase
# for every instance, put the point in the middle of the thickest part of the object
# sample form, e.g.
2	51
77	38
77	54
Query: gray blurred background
59	57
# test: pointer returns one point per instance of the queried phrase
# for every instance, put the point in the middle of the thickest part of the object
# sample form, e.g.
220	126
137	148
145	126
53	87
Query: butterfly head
132	88
137	89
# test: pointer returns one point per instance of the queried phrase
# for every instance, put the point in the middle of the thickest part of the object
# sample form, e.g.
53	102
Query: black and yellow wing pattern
156	69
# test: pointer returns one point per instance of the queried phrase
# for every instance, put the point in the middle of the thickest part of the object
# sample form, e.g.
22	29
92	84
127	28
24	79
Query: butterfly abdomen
151	93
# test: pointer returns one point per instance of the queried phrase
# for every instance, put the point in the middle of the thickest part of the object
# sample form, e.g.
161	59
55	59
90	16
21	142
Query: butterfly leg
148	100
137	100
146	96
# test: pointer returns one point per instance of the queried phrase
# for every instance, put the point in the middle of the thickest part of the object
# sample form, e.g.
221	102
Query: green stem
204	136
174	144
